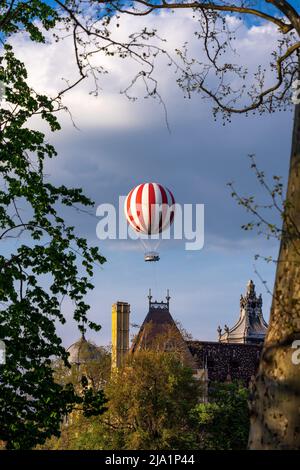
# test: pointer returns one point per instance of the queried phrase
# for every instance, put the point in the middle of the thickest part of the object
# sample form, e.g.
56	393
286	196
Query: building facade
235	356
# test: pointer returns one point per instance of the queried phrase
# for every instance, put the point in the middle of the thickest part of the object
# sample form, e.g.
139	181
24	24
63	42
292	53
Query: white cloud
48	64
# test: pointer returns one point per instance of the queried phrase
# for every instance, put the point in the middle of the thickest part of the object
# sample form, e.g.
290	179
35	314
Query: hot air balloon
149	209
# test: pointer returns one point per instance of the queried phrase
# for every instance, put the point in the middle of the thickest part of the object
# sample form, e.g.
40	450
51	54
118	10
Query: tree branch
260	98
285	28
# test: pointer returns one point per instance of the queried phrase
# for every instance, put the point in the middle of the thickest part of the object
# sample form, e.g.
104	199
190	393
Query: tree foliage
155	403
46	262
149	404
224	421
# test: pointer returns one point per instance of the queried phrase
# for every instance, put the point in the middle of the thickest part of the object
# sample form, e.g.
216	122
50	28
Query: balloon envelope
149	208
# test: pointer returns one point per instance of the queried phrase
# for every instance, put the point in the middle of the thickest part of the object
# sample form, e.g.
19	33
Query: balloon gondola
151	256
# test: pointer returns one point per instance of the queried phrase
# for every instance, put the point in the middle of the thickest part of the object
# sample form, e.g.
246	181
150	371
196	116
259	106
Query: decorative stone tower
251	327
120	333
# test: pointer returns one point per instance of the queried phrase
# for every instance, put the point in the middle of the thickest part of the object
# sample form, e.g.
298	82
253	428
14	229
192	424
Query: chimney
120	333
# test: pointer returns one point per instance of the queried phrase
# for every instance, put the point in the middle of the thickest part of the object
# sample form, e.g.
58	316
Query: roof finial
168	297
83	330
250	287
150	297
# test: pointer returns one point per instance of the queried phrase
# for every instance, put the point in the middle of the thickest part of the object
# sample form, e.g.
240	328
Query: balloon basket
151	256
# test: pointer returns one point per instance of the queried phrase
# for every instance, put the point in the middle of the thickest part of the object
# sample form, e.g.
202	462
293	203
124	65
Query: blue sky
205	286
120	144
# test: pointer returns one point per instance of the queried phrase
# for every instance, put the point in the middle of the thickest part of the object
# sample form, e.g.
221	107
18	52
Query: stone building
87	359
235	356
226	361
120	333
251	327
159	331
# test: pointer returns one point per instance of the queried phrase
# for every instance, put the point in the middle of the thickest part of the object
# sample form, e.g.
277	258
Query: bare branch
285	28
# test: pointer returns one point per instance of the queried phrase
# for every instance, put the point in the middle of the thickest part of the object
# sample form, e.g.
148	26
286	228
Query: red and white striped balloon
149	208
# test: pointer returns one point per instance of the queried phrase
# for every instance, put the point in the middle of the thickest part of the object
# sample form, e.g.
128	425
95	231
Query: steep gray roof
159	324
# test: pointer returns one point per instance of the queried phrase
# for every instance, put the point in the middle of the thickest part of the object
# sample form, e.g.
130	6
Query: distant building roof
239	361
160	330
251	327
83	351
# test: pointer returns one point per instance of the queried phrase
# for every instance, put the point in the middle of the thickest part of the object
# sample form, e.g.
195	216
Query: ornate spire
251	326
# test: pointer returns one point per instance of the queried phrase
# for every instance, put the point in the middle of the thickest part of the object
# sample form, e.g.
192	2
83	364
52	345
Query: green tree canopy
223	423
49	261
149	403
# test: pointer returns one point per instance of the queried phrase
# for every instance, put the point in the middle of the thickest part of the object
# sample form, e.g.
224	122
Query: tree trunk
275	409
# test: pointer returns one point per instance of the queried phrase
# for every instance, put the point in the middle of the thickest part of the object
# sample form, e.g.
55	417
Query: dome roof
83	351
